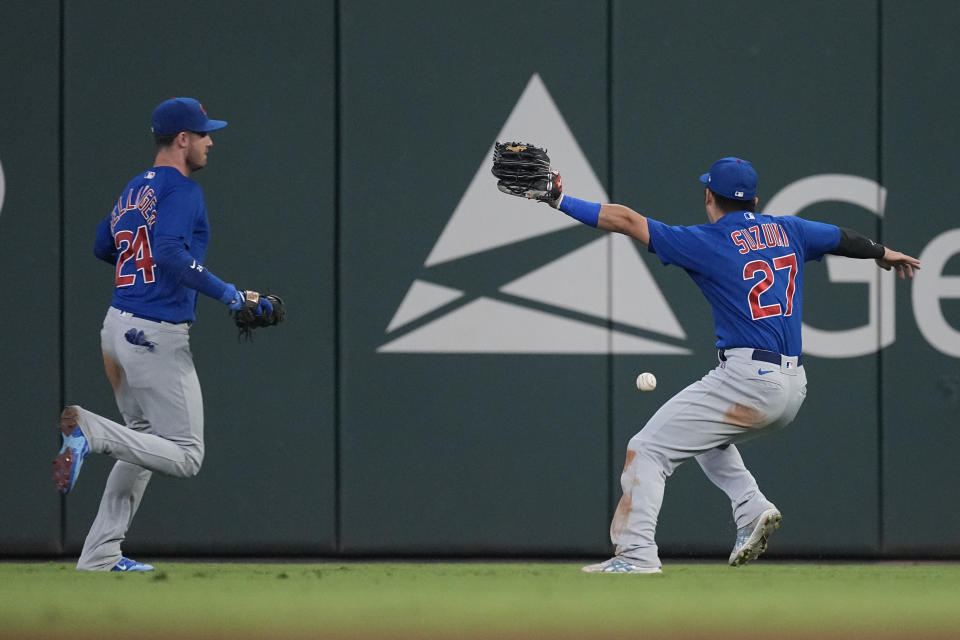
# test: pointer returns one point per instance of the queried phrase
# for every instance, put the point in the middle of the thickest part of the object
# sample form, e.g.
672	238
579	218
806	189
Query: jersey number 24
758	310
135	247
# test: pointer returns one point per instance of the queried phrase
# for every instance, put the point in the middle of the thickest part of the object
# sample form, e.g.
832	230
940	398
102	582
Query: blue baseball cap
182	114
732	178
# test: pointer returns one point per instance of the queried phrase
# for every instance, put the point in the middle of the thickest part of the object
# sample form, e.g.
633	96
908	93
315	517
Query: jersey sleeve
104	246
178	214
818	238
177	211
173	229
676	245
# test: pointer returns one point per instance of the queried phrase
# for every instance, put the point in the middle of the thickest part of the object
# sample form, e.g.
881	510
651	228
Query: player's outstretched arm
901	262
622	219
609	217
854	245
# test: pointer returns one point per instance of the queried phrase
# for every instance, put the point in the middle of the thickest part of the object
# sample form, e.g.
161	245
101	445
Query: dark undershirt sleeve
854	245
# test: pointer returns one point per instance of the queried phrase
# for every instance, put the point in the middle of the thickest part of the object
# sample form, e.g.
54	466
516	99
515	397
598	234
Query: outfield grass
480	600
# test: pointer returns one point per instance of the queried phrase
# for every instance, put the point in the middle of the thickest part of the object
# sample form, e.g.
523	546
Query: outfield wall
456	373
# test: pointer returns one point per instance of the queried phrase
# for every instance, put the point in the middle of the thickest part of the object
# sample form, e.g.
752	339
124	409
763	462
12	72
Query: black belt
143	317
763	355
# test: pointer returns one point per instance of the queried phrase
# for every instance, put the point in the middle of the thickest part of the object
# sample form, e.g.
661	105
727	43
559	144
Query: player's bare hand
901	262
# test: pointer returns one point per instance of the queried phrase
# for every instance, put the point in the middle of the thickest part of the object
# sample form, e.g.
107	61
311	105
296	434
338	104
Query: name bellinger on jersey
151	243
750	268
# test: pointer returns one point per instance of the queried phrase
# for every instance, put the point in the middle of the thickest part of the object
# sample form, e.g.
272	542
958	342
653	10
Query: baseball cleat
66	466
126	564
752	539
617	564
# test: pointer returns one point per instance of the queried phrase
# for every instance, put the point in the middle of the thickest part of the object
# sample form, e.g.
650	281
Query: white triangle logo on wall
584	302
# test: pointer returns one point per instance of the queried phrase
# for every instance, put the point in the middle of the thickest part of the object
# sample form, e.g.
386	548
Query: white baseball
646	381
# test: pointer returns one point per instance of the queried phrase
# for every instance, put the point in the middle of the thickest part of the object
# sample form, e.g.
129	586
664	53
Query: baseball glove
258	311
524	170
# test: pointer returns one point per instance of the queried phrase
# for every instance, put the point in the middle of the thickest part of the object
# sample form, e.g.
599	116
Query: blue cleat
617	564
126	564
66	466
752	539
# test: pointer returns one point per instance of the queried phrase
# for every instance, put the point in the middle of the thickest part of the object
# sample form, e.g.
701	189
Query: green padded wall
30	268
921	371
456	374
457	452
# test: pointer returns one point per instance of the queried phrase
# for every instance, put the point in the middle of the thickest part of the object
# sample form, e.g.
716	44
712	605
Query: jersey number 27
136	247
758	310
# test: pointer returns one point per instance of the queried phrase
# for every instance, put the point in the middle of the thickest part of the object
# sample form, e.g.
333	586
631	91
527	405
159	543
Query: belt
142	317
763	355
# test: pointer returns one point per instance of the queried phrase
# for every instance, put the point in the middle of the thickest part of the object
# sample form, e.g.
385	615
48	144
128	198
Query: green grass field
480	600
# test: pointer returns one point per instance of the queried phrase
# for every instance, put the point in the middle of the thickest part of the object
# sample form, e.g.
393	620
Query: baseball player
750	268
155	238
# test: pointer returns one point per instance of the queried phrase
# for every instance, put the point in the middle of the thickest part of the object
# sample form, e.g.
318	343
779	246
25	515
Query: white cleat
752	539
617	564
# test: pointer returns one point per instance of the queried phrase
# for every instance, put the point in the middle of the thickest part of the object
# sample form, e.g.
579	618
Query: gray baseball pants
158	394
738	400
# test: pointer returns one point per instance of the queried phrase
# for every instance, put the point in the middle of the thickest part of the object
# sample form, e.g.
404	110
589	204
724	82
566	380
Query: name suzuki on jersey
768	234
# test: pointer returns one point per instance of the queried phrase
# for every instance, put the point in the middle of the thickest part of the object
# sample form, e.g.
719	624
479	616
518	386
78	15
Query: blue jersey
158	226
750	268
